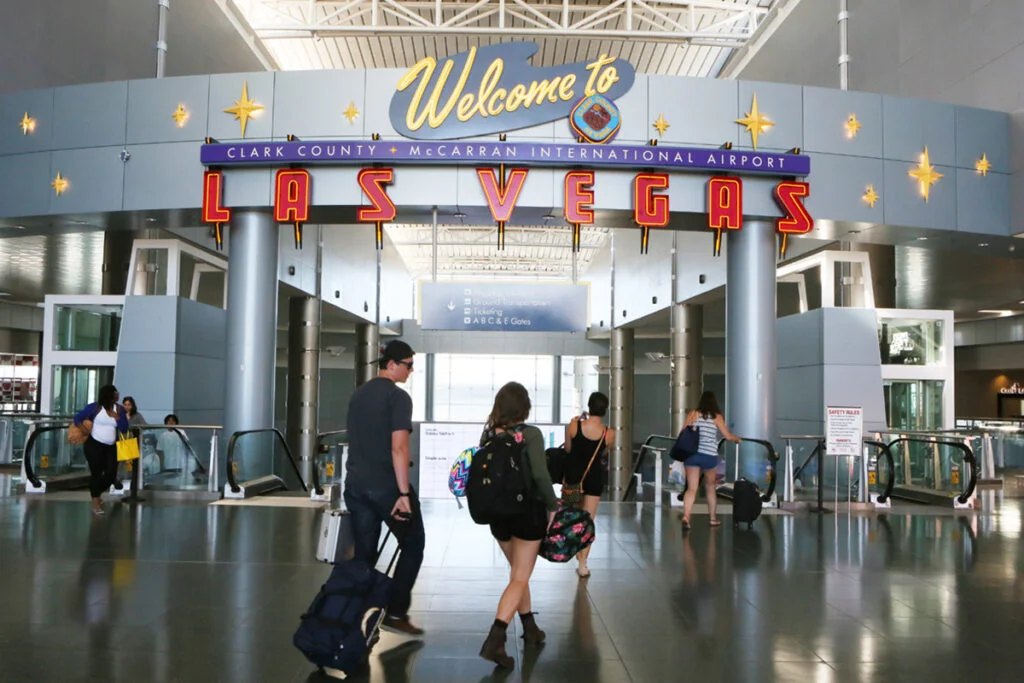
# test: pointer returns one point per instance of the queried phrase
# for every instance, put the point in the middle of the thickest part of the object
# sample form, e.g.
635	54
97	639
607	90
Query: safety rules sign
844	428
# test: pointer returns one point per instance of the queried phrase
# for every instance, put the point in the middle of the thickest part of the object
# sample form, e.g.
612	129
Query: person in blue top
103	420
709	422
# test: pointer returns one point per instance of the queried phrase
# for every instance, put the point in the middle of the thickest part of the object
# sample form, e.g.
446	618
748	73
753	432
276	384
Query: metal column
367	352
252	325
621	399
687	363
161	36
750	325
303	380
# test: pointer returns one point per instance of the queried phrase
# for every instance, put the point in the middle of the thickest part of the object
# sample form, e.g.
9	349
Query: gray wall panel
25	190
904	206
912	125
856	385
150	324
799	394
303	261
96	180
164	176
90	115
800	340
982	131
846	198
38	104
850	336
692	263
202	329
642	278
350	267
709	124
152	104
380	86
782	104
225	91
199	386
244	187
339	185
650	406
983	202
309	104
148	378
825	114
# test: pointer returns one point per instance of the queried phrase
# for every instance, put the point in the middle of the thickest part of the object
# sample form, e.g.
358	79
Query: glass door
74	387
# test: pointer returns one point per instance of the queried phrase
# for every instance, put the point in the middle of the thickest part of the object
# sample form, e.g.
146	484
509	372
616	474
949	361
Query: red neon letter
725	203
291	196
649	209
213	185
579	200
373	181
789	196
501	205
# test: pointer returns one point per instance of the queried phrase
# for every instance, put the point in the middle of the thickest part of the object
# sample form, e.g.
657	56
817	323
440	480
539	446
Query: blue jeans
369	508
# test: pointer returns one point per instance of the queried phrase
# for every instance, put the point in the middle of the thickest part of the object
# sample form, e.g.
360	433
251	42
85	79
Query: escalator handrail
317	486
231	456
968	457
181	437
646	445
27	458
773	458
884	447
814	452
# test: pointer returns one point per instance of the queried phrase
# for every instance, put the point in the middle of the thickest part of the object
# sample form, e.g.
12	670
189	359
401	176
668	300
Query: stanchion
821	478
133	497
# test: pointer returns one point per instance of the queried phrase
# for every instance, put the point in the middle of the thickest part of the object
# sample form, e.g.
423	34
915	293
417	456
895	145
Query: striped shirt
708	431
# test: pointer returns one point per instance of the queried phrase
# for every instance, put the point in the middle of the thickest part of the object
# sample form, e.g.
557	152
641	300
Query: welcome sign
494	89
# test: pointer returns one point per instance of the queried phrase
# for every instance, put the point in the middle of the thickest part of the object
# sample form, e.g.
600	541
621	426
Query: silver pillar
303	380
844	46
164	7
687	362
367	352
251	355
750	325
621	399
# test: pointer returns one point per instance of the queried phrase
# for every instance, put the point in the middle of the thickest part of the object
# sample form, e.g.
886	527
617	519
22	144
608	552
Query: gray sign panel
501	307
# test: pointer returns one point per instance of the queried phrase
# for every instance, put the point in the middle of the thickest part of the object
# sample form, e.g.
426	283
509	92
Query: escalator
260	462
52	464
933	470
766	473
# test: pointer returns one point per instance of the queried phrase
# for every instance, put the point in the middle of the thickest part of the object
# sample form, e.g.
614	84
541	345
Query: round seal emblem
595	118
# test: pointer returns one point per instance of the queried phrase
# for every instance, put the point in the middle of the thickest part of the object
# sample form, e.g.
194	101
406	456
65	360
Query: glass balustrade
260	453
177	458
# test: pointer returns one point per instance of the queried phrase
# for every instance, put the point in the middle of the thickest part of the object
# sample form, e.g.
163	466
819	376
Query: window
465	385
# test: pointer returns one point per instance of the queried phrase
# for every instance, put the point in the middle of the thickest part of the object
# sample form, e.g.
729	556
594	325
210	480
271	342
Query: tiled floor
196	594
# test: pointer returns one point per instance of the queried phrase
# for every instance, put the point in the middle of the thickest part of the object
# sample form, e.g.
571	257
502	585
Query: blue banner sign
494	89
503	307
489	153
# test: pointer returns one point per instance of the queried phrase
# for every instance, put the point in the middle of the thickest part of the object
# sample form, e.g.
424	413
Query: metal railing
655	446
232	460
933	443
771	458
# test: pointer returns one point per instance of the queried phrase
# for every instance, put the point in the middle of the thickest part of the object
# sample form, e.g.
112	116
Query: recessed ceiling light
993	311
982	244
922	239
5	293
458	214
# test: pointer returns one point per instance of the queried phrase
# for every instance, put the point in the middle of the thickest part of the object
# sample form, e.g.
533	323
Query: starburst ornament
28	124
870	197
661	125
755	122
180	116
60	184
351	113
852	126
983	165
925	175
245	108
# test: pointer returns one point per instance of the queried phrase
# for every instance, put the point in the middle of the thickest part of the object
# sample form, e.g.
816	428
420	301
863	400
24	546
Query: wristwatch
403	495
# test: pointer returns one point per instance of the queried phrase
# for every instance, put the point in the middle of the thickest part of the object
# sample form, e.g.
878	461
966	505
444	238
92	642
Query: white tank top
104	428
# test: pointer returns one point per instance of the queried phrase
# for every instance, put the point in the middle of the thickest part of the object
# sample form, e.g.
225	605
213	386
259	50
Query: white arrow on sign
451	305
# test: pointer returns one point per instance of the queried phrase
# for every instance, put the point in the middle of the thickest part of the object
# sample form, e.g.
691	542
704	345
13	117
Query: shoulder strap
600	442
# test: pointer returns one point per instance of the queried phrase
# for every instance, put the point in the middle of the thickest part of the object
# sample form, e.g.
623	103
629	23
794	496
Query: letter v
501	203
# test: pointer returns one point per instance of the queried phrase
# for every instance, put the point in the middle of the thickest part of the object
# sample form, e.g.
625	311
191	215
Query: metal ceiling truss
716	23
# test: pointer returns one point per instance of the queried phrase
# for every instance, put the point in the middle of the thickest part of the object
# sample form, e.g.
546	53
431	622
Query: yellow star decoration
244	108
983	165
28	124
925	174
852	126
60	184
870	197
755	122
394	150
351	113
180	116
661	125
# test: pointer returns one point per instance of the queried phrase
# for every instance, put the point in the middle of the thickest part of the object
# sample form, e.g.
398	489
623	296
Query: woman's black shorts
529	527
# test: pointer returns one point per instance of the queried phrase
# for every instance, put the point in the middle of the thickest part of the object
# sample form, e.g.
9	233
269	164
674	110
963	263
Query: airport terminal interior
229	208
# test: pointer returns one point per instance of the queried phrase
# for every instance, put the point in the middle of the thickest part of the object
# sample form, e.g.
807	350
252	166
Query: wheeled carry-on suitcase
746	503
335	542
342	624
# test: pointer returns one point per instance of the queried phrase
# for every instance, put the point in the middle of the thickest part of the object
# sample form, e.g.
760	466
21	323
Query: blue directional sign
503	307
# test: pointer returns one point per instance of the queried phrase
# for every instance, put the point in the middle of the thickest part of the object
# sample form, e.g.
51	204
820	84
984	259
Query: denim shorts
702	460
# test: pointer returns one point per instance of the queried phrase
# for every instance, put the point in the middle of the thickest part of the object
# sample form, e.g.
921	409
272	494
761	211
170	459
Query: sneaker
397	624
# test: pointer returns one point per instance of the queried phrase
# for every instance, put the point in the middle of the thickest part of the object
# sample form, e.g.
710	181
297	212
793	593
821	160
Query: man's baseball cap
396	350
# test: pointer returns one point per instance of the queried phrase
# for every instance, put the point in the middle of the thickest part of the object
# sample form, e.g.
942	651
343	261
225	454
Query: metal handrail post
936	466
863	494
908	480
788	485
657	476
213	481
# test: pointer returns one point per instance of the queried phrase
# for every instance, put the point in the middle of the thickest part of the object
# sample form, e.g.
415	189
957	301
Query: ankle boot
493	648
531	633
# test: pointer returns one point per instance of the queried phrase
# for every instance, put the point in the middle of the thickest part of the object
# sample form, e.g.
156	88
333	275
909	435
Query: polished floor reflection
189	593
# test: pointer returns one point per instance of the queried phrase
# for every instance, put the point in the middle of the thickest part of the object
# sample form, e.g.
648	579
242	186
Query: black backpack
500	484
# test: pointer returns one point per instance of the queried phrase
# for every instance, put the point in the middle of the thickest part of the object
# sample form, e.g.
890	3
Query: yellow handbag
127	447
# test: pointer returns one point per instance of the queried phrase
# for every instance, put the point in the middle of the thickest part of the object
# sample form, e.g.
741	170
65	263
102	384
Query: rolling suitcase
342	624
746	503
335	544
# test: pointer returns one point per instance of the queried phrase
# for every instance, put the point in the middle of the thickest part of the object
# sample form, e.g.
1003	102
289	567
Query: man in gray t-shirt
377	477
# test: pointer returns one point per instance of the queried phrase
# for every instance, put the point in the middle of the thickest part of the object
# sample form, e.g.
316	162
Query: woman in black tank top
586	462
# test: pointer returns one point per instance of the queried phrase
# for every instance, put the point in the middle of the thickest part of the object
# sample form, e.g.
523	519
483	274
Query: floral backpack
459	474
571	531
